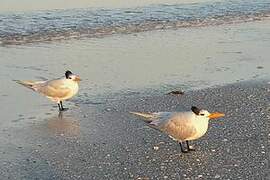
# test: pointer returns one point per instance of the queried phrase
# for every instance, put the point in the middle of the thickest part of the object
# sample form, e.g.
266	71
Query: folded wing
53	89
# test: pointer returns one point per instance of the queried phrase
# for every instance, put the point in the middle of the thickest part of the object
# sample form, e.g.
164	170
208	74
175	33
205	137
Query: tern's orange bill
77	78
216	115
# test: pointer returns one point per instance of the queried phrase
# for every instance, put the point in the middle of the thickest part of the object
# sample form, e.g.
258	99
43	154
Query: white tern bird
57	90
181	126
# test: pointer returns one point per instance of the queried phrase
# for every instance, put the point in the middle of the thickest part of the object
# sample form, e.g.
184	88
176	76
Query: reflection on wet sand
64	125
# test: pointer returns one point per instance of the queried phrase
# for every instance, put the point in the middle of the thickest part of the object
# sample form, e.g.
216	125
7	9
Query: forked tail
28	84
148	116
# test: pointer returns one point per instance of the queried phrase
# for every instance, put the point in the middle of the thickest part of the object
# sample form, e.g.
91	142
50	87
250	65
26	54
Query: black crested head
68	73
195	110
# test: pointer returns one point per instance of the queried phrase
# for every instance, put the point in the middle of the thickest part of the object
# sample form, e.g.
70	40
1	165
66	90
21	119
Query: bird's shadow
64	125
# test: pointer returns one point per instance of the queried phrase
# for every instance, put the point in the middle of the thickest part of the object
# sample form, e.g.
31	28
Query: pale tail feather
28	84
148	116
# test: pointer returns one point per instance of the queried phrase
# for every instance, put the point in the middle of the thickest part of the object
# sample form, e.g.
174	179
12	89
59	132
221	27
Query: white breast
201	126
73	86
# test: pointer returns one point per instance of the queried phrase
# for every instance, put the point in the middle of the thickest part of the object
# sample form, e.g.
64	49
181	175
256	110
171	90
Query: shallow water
51	25
159	61
32	5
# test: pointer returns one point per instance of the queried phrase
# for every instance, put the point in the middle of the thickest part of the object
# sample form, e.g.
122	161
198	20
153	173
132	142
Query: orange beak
77	78
216	115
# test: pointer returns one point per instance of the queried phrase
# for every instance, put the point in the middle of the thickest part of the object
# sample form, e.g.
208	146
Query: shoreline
116	31
233	53
165	90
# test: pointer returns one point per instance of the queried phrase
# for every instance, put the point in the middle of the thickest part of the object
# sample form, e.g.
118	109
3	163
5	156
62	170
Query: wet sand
104	141
98	139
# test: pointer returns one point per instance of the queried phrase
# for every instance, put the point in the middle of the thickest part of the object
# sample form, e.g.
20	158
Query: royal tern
57	90
181	126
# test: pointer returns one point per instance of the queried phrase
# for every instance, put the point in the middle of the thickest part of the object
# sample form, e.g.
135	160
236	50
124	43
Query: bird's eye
202	114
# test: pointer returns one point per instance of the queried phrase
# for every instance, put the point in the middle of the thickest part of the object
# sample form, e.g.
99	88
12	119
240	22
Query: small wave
79	23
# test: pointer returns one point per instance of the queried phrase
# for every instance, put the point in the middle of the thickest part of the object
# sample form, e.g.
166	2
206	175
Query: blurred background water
50	25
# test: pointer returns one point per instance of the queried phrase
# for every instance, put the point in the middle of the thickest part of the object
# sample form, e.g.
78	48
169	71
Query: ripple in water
53	25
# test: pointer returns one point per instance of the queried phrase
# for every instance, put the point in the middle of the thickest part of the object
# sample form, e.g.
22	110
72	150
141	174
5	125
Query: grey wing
178	126
54	88
160	118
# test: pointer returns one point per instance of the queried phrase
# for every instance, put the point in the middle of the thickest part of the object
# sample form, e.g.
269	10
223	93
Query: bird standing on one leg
181	126
56	90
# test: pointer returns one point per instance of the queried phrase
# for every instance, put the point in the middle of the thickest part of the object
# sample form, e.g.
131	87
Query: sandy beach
103	141
222	68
